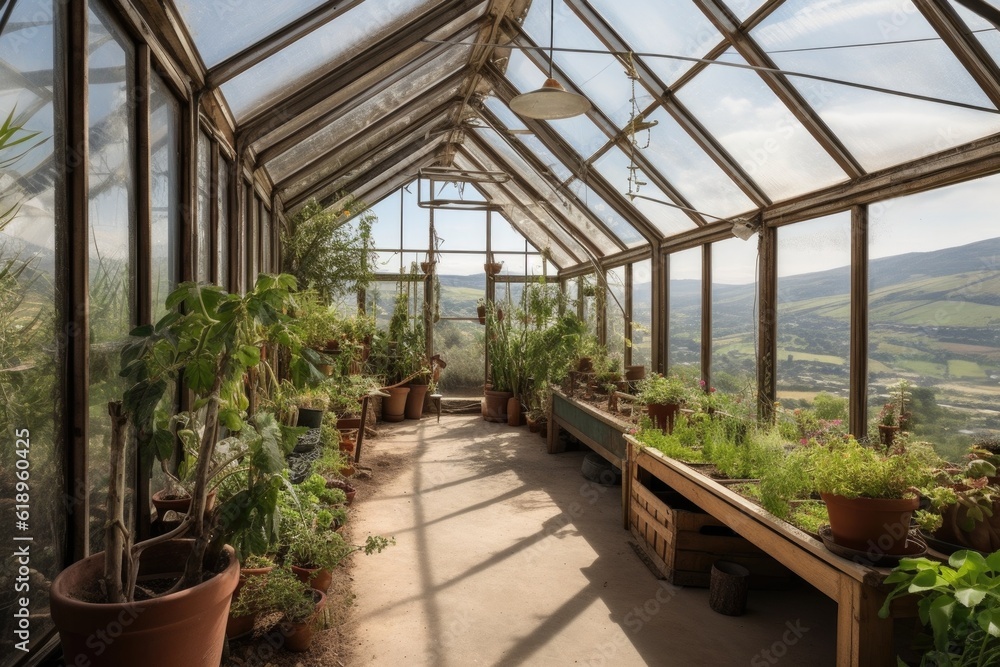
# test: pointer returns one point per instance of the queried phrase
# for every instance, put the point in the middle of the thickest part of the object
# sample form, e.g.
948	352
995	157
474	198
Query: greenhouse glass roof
703	111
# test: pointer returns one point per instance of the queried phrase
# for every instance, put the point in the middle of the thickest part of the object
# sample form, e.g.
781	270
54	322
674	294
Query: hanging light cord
552	32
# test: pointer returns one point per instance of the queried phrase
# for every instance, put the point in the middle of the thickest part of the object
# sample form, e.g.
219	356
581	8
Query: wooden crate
682	541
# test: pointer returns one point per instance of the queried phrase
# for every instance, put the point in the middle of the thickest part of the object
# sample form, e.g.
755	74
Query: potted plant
481	310
280	591
311	404
961	603
964	507
663	396
870	495
242	618
894	416
209	339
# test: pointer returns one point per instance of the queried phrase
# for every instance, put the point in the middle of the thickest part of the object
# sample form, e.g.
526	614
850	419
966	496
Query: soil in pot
183	628
874	525
164	502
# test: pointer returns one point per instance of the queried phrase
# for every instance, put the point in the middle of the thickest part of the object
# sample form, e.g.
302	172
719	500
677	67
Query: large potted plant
209	339
870	495
663	396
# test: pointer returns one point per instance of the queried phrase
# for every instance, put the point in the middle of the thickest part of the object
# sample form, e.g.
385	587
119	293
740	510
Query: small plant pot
664	415
310	418
163	503
299	636
492	268
348	490
415	401
317	577
496	405
427	267
887	434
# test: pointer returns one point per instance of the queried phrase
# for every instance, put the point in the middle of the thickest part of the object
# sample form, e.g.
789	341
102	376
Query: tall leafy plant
330	250
209	339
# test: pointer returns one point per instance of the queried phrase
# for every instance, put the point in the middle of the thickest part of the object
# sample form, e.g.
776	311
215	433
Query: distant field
979	350
806	356
959	368
928	368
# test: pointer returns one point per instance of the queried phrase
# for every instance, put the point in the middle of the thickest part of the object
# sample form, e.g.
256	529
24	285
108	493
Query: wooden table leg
863	639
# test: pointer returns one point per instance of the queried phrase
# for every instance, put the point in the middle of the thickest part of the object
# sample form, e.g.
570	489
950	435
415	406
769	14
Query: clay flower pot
496	405
317	577
414	408
874	525
394	407
663	414
183	628
298	636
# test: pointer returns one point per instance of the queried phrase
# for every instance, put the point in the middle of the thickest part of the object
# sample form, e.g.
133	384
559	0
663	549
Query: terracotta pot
984	536
534	425
348	490
496	405
347	471
310	417
481	312
426	267
886	434
663	414
183	628
493	268
635	373
415	401
394	407
876	525
162	505
347	445
514	411
317	577
298	636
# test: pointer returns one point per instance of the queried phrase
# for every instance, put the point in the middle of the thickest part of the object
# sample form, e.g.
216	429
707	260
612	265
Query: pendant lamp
551	101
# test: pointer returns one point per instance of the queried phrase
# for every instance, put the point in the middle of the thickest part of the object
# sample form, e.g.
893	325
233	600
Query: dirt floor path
506	555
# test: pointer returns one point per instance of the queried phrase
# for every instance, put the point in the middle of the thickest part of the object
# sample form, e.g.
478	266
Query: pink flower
803	441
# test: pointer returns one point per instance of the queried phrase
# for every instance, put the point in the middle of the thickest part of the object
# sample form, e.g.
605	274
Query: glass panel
250	247
642	313
691	171
416	221
203	235
556	166
743	9
933	307
675	27
597	75
222	29
222	240
892	129
759	131
602	210
357	120
615	316
165	193
734	316
266	265
550	199
112	243
814	308
984	31
461	341
386	229
684	314
460	230
301	63
504	236
614	166
32	329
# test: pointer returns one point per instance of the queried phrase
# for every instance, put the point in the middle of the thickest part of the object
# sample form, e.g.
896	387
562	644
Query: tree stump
727	593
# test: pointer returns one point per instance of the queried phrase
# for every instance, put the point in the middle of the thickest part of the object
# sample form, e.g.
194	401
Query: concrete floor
506	555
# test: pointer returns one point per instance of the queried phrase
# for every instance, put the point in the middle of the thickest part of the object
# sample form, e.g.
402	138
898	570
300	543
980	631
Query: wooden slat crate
682	541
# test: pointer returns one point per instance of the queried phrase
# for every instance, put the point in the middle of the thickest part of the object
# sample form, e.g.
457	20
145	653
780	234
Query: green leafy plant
279	591
961	603
330	250
850	469
211	339
664	389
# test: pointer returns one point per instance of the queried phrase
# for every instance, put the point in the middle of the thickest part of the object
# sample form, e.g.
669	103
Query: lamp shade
550	102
